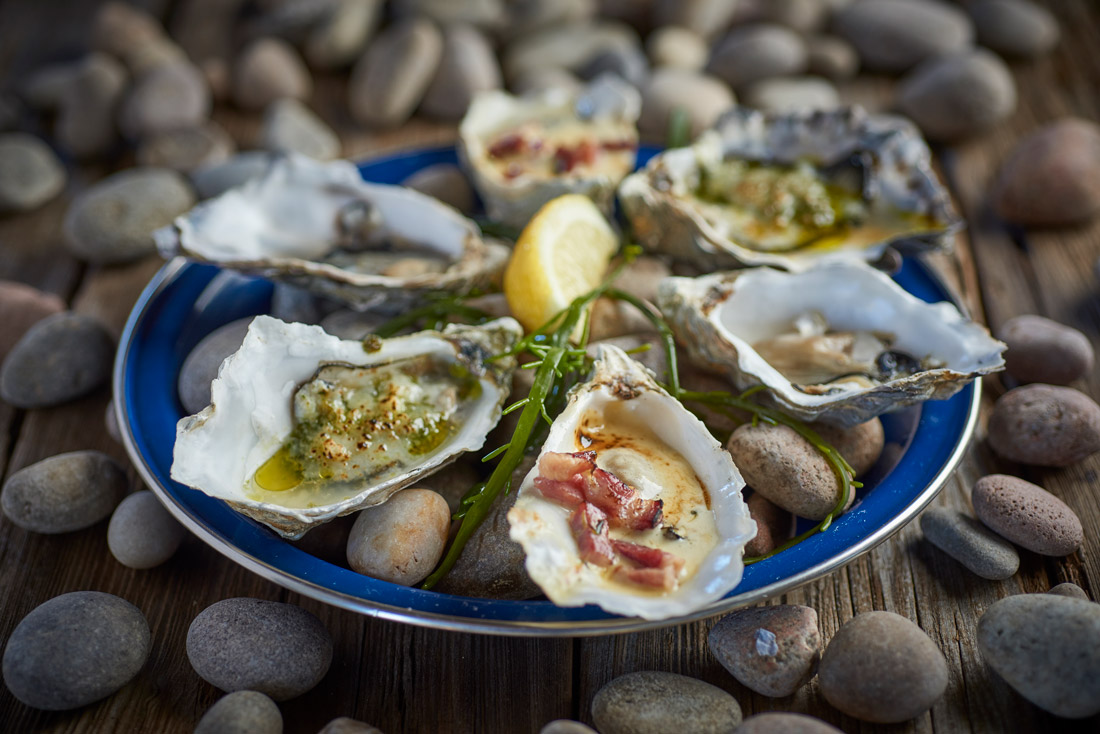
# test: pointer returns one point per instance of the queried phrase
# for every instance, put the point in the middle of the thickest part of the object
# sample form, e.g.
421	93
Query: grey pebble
774	722
267	70
895	35
567	46
533	15
629	63
701	96
536	81
705	17
481	13
291	127
390	80
60	358
467	66
187	148
121	29
958	95
1045	425
1047	648
445	182
882	668
113	220
804	16
166	97
30	173
1069	589
75	649
1027	514
677	47
970	543
110	422
86	110
831	57
201	365
791	94
345	725
1014	28
65	492
218	178
230	646
773	650
760	51
653	702
1043	350
339	39
293	304
566	726
242	712
142	533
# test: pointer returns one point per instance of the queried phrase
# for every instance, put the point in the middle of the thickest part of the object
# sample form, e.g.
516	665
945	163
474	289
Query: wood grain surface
406	679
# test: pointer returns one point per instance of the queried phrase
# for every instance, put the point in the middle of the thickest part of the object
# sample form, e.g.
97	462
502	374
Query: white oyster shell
542	526
898	176
718	317
608	101
218	450
280	224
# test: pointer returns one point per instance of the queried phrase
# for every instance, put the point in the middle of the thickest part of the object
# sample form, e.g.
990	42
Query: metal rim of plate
525	628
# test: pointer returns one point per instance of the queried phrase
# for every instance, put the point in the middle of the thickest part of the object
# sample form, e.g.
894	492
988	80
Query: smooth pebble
467	66
970	543
1027	514
85	123
804	16
164	98
339	39
677	47
566	726
705	17
895	35
1014	28
390	80
774	525
446	182
703	98
291	127
775	722
861	445
242	712
831	57
267	70
30	173
1069	589
959	95
628	63
142	533
568	46
760	51
60	358
201	365
773	650
23	306
345	725
792	94
402	539
536	81
1043	350
653	702
63	493
187	148
1045	425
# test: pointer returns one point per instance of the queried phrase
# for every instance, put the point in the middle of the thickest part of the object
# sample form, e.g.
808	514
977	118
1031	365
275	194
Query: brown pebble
861	445
1043	350
774	525
401	540
268	70
1045	425
23	307
1027	514
774	650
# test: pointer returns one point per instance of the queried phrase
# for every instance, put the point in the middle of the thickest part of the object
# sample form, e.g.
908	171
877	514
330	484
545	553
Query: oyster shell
321	227
430	397
720	317
790	190
557	124
650	441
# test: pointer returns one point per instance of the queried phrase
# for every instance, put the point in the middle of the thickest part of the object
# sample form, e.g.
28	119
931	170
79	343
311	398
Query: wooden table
406	679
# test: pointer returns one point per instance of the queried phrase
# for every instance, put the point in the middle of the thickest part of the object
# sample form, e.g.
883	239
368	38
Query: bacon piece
564	467
643	555
567	493
654	567
614	145
625	509
566	158
508	145
657	578
589	526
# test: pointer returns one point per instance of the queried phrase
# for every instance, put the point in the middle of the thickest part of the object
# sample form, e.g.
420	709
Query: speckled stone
23	307
242	712
218	178
1043	350
775	722
60	358
882	668
269	69
1073	591
774	650
390	80
1045	425
1047	648
566	726
970	543
30	173
895	35
1014	28
142	534
1027	514
402	539
201	366
229	646
959	95
102	640
653	702
344	725
445	182
291	127
861	445
63	493
761	51
164	98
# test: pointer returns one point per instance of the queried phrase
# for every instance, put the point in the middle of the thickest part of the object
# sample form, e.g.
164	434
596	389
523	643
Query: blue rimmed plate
186	301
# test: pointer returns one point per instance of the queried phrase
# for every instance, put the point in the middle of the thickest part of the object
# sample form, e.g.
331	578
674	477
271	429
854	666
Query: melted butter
628	448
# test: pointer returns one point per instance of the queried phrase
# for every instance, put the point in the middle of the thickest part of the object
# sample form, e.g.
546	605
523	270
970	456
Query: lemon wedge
562	253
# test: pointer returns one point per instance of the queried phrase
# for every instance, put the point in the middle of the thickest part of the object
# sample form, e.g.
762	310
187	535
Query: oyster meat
790	190
321	227
304	427
840	342
521	152
632	505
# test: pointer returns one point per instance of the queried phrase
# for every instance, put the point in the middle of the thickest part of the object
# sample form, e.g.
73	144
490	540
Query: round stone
534	15
339	39
201	366
752	53
785	723
86	116
705	17
1052	177
1027	514
60	358
569	46
142	534
119	28
959	95
1071	590
895	35
187	148
882	668
792	94
831	57
468	66
401	540
1046	647
30	173
113	220
218	178
446	182
75	649
1043	350
291	127
267	70
628	63
1045	425
774	525
242	712
702	98
1014	28
390	80
566	726
804	16
653	702
773	650
166	97
230	645
23	307
970	543
344	725
678	48
65	492
535	81
861	445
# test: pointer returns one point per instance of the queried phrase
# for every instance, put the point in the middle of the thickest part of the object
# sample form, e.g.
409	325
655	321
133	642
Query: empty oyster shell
665	455
521	152
304	427
894	349
321	227
790	190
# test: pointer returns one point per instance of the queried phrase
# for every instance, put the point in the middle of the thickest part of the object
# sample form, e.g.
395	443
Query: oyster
304	427
320	226
789	190
633	505
522	152
840	342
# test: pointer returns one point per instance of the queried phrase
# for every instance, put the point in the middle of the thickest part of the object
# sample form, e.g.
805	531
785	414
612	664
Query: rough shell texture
607	99
220	448
718	317
542	526
279	224
898	176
